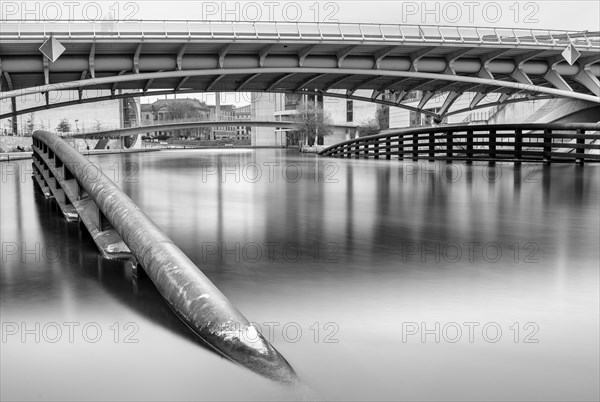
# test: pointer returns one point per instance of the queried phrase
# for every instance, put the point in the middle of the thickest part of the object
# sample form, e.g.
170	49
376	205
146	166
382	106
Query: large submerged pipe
189	293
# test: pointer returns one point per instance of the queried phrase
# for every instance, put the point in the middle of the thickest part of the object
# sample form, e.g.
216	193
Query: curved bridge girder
394	102
389	60
134	81
185	91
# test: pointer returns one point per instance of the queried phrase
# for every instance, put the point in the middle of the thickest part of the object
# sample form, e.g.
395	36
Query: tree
31	124
313	122
181	110
383	117
98	126
63	126
368	127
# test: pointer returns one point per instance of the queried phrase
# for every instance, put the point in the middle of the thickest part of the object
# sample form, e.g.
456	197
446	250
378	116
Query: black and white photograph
303	200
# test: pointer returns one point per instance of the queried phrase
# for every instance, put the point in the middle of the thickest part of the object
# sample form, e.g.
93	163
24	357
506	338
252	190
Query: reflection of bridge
578	142
168	126
159	57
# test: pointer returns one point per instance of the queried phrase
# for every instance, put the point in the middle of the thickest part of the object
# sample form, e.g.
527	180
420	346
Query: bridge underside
389	69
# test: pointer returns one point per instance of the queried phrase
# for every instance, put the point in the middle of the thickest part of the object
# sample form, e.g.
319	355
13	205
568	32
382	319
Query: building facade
82	118
344	114
187	109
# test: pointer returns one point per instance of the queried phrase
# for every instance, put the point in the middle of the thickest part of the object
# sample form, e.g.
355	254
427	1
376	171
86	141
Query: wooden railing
573	142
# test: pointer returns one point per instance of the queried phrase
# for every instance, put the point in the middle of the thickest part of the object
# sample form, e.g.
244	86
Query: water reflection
378	245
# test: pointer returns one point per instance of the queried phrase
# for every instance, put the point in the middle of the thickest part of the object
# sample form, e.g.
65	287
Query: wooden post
401	148
469	146
518	148
431	146
415	146
388	145
376	146
449	146
547	146
492	146
580	151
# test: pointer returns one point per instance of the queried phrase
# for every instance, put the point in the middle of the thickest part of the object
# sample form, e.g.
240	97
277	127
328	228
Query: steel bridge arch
395	97
70	85
388	59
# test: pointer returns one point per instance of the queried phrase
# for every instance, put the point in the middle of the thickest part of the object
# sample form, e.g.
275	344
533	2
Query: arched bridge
577	142
330	59
125	132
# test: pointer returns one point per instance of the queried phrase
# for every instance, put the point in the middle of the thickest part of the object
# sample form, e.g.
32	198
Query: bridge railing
121	229
277	30
500	142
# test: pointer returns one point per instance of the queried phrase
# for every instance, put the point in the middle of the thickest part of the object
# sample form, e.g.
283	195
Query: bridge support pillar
547	146
376	147
357	150
580	151
431	146
449	146
15	128
518	148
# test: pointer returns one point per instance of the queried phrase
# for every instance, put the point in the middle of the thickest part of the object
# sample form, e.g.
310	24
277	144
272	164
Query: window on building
349	111
291	101
415	119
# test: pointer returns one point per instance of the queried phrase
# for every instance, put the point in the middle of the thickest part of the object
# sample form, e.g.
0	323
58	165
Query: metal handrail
191	295
334	31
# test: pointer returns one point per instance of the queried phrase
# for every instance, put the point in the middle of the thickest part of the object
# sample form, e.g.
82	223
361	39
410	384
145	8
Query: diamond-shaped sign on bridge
571	54
52	49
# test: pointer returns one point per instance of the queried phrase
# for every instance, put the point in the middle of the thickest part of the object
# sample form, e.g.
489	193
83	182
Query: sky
555	14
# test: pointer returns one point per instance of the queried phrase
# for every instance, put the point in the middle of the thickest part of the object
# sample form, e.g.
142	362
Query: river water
375	279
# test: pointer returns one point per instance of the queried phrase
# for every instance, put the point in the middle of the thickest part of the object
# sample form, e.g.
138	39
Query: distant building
243	113
82	118
283	107
226	113
165	110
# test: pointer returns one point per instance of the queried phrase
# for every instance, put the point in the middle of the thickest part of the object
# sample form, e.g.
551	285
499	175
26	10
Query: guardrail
283	30
229	121
122	230
498	142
